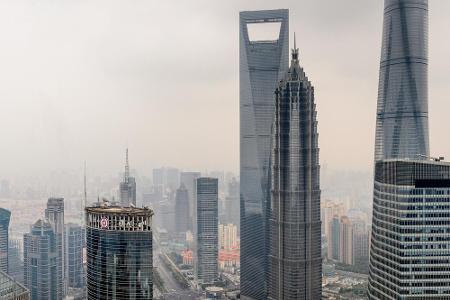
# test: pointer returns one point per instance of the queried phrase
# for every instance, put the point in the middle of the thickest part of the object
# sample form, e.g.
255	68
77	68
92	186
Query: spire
295	50
127	168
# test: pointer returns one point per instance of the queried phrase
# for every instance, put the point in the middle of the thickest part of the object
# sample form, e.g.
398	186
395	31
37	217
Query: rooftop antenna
84	196
295	50
127	168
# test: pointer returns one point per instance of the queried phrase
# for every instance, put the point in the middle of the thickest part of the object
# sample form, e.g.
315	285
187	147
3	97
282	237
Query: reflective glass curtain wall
295	263
402	113
410	253
262	64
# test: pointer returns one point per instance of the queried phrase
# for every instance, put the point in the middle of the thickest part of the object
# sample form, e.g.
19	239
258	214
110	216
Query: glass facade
5	216
55	215
402	113
207	231
40	262
262	65
410	243
119	253
10	289
295	263
74	255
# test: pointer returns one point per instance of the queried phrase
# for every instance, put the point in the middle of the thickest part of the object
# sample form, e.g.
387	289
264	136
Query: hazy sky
83	79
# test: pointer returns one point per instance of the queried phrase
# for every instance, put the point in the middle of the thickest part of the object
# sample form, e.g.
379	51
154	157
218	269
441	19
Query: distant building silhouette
188	179
182	220
127	187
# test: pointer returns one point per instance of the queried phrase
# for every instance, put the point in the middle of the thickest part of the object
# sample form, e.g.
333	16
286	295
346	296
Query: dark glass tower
119	253
182	220
5	216
410	253
55	215
41	261
206	230
74	255
262	63
295	263
402	113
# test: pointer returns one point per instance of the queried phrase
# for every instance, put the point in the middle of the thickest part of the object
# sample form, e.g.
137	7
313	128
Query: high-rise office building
346	241
228	238
206	238
360	241
41	262
232	203
262	64
295	262
402	113
182	210
127	187
334	239
74	255
410	255
119	253
55	215
15	259
5	217
10	289
188	179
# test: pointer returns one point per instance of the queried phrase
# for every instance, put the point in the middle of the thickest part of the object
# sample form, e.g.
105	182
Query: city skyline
62	110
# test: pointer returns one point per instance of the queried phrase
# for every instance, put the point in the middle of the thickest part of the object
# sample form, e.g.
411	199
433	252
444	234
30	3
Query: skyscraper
410	255
232	203
206	233
295	263
55	215
346	241
188	179
182	220
119	253
402	113
127	187
41	262
74	255
262	63
5	216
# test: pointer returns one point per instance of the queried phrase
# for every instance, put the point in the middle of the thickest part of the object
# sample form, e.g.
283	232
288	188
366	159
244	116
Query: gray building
11	289
262	64
232	206
206	233
410	253
402	113
182	220
119	253
295	262
5	217
188	179
74	255
127	188
41	262
15	259
55	215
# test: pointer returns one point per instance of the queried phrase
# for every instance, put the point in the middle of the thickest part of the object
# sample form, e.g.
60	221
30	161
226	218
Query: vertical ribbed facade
295	263
119	253
206	230
410	250
41	262
55	215
261	65
402	113
74	255
5	217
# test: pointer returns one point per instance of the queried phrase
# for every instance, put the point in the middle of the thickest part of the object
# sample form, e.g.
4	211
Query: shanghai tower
402	112
262	63
295	263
